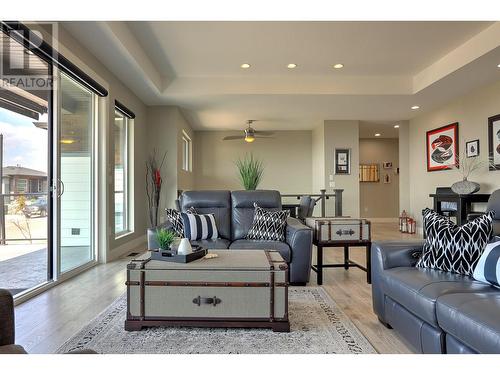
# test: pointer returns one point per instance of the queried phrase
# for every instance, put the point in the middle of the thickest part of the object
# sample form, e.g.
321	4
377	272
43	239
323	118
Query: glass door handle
60	188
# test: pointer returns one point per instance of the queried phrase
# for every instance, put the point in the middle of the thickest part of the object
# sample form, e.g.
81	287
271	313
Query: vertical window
186	152
22	185
121	129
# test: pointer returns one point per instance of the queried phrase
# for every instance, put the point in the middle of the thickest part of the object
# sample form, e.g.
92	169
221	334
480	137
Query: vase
465	187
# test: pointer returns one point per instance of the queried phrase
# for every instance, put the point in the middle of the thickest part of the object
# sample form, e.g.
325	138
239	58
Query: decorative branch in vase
467	166
154	183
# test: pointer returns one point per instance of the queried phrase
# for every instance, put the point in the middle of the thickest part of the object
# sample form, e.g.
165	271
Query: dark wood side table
335	232
464	203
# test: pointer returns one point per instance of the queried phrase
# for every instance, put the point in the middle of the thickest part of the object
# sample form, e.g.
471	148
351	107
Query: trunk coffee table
239	288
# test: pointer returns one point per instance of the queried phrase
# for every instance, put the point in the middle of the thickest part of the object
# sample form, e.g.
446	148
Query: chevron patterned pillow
175	219
268	225
453	248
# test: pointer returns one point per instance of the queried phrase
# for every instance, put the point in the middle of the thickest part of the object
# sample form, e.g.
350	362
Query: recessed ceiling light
291	66
338	66
415	107
377	134
245	66
498	66
396	126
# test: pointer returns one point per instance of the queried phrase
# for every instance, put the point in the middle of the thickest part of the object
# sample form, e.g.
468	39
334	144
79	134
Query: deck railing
322	198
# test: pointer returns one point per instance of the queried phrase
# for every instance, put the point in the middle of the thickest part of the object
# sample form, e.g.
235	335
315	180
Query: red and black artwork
442	148
494	142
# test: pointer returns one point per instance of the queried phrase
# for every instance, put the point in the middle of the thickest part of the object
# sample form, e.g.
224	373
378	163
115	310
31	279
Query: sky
23	143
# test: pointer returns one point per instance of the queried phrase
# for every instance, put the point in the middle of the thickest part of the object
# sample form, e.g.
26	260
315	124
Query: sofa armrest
391	254
299	238
7	327
386	255
152	242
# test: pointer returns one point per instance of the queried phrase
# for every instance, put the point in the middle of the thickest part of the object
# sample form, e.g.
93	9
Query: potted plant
250	171
165	238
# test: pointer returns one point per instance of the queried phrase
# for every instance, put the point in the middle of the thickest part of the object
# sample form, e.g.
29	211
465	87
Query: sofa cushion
199	227
219	243
12	349
216	202
417	289
243	209
281	247
472	318
488	267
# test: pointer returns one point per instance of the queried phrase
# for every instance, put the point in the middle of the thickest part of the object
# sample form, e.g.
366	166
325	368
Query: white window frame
126	207
187	152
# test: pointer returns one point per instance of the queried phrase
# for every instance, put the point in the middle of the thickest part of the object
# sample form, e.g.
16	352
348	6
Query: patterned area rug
317	326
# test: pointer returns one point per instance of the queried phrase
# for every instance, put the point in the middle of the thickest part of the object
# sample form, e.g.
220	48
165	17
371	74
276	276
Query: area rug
318	325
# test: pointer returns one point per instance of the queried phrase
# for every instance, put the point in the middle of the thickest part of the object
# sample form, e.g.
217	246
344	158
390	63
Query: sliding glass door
77	119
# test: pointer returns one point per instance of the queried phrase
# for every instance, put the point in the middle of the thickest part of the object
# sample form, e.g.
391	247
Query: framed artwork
472	148
494	142
442	148
342	161
387	165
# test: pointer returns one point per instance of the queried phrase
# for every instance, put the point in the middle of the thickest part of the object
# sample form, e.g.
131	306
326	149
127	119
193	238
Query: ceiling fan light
249	138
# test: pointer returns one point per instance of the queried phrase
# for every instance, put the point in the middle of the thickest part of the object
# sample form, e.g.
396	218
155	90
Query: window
186	152
22	185
121	173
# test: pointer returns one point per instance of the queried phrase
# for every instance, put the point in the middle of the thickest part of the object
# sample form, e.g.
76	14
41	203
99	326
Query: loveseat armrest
299	238
7	327
152	242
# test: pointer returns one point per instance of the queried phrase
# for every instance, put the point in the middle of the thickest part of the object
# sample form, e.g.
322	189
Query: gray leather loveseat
434	311
234	213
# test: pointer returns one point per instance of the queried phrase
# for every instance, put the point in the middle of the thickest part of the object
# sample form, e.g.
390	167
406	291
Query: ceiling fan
250	134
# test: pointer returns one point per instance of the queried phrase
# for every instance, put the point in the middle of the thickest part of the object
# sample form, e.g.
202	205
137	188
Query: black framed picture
472	148
442	148
494	142
342	161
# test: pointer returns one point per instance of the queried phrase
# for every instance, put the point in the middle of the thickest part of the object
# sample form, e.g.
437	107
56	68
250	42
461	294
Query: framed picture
442	148
472	148
342	161
494	142
387	165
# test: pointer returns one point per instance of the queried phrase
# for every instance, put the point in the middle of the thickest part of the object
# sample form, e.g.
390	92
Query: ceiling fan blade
260	136
233	137
260	132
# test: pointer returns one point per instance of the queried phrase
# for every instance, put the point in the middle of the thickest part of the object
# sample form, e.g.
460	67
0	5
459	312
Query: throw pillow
268	225
199	227
488	267
453	248
175	219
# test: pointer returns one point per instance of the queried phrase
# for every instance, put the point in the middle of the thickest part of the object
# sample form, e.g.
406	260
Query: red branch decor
153	186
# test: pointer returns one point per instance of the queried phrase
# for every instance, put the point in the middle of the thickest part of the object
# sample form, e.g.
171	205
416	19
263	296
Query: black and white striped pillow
488	267
268	225
199	227
175	219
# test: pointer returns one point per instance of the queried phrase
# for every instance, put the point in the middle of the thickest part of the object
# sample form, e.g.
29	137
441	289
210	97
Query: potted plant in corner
165	238
250	171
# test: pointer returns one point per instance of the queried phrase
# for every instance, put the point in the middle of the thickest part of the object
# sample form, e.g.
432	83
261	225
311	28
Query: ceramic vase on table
465	187
184	247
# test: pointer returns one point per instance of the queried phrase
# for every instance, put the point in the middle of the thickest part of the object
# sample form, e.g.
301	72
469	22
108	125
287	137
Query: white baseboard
138	243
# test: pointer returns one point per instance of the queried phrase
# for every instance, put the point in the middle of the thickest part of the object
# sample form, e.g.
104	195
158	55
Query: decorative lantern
402	222
412	225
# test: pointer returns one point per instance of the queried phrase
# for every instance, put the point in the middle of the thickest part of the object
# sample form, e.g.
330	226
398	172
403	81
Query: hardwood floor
45	322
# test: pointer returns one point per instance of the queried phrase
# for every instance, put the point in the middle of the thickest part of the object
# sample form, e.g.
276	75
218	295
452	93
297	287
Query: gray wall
287	160
472	112
378	199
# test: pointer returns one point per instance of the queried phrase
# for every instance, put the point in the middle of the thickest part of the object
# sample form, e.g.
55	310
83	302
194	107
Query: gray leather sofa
234	216
434	311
